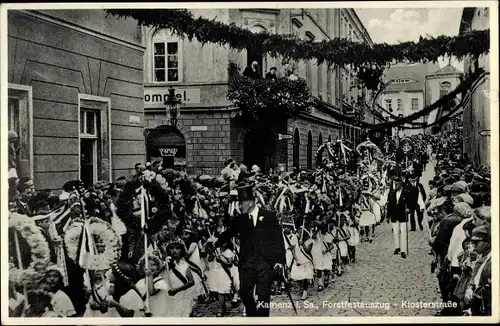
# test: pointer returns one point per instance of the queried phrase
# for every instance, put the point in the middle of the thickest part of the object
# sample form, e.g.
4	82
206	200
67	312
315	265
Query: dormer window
310	36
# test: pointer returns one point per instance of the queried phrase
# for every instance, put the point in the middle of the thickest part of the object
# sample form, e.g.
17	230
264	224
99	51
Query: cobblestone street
378	276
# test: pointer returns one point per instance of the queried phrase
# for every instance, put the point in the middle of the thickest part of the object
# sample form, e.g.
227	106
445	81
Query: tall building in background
209	129
405	92
75	95
476	114
410	88
437	85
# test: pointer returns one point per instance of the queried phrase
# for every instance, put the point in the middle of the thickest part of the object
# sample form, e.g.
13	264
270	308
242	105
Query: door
88	157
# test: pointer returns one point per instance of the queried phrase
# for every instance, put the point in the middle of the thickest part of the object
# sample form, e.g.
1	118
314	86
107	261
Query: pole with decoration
147	311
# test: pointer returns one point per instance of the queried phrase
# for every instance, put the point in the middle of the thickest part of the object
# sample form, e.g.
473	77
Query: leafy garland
368	62
443	101
268	100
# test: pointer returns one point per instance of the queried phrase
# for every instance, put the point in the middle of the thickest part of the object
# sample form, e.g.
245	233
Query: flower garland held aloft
39	248
367	61
108	244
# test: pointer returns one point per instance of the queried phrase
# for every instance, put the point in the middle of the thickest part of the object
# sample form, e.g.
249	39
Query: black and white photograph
214	161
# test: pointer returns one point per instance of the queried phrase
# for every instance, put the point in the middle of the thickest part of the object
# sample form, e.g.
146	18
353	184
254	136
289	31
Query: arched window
320	142
444	88
309	151
296	149
166	57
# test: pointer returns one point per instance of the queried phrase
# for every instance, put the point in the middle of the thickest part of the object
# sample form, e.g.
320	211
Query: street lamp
172	106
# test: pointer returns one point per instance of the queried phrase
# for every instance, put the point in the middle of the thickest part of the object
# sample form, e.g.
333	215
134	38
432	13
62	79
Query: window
414	104
89	122
166	57
320	82
400	104
309	151
95	139
309	64
320	142
388	105
20	120
445	88
296	149
258	55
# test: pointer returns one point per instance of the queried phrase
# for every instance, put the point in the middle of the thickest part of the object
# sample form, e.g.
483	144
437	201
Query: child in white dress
322	256
101	289
343	236
155	293
302	266
287	231
221	275
196	264
235	272
181	296
354	237
60	303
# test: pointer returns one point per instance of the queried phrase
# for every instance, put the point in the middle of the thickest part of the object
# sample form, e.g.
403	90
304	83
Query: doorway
260	148
88	161
166	144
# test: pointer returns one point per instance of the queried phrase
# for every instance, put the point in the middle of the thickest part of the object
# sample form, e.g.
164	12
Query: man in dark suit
398	207
416	189
262	251
417	168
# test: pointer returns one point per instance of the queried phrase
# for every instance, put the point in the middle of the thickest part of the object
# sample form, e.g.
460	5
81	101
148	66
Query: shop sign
155	97
199	128
168	152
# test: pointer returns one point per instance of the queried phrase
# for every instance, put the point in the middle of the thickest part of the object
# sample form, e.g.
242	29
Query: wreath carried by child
93	244
28	238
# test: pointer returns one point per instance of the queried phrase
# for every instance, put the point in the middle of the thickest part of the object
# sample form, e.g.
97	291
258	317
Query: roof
446	70
415	72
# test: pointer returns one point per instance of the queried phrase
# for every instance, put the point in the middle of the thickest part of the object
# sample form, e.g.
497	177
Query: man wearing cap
139	169
457	237
453	217
398	208
478	293
26	189
262	251
458	188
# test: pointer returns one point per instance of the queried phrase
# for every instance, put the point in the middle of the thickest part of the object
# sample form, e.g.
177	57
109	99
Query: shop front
166	144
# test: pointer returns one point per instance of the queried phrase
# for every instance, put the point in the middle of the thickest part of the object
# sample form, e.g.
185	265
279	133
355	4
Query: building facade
75	95
209	129
476	114
437	85
412	87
